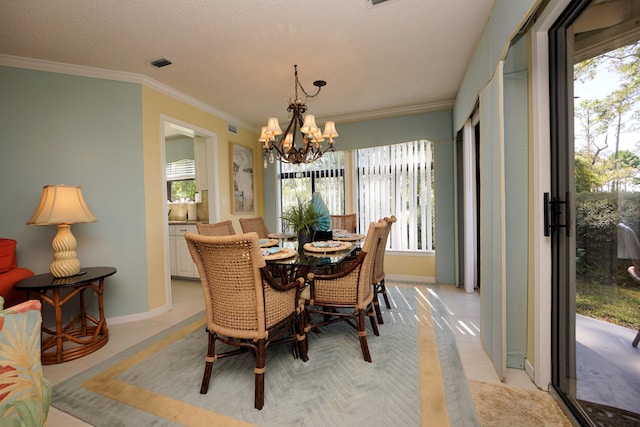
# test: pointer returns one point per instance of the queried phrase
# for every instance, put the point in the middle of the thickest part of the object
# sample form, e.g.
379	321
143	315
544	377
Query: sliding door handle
552	213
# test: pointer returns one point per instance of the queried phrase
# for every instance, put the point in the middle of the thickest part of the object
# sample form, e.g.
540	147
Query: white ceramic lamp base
64	263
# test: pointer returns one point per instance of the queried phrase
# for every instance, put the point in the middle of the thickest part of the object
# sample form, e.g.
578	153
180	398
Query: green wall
64	129
179	149
516	166
506	18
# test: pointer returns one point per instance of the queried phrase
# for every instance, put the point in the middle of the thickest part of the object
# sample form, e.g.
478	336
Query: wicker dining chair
224	228
256	224
632	245
344	222
245	306
378	269
346	295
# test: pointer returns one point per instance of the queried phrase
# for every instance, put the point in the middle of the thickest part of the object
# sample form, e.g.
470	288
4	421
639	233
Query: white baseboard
413	279
138	316
530	370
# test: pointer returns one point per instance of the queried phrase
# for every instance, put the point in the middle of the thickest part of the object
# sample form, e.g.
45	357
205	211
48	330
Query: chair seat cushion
22	382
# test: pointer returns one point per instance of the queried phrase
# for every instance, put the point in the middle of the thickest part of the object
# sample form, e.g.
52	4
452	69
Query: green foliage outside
604	289
607	183
183	189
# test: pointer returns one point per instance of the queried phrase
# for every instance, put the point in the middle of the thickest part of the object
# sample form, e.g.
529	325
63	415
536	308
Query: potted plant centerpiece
302	217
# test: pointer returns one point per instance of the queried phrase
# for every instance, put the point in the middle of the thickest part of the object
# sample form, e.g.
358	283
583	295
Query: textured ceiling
237	56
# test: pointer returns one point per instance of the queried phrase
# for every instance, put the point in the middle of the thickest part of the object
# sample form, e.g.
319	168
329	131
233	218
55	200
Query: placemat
311	248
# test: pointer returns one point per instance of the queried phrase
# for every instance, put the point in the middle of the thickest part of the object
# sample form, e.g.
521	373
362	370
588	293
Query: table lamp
62	205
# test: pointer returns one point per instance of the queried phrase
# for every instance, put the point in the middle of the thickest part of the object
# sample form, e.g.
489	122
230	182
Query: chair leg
208	366
302	336
362	334
636	340
376	305
372	319
383	291
259	374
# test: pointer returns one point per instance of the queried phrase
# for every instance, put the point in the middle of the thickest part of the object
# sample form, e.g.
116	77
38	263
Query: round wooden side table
84	333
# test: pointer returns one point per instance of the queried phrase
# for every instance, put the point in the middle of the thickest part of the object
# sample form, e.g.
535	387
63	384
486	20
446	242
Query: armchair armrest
356	263
277	285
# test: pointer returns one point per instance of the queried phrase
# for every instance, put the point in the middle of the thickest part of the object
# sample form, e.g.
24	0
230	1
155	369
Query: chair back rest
371	242
631	244
224	228
256	225
378	262
229	268
344	222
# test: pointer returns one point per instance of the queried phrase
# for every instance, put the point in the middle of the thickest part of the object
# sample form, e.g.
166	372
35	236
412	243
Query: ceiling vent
232	128
162	62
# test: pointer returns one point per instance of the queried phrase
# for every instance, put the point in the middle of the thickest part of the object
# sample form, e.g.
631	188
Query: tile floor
464	313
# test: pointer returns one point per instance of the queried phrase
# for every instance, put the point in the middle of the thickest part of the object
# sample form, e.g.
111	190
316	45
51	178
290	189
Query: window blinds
397	180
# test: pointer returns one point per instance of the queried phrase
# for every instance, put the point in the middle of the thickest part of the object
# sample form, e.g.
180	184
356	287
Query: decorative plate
328	246
282	236
348	237
265	243
282	253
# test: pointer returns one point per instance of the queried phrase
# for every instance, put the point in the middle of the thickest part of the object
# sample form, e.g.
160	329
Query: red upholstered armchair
10	273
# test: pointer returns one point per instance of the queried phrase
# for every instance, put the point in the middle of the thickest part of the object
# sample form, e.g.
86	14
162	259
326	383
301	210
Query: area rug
499	405
156	382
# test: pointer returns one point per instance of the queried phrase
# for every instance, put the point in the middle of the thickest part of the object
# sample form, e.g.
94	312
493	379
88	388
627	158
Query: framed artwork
242	179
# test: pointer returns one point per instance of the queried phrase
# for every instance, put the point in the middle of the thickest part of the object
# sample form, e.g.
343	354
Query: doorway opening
190	191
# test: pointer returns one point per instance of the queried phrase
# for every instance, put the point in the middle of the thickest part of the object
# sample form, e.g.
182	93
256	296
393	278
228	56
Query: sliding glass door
593	210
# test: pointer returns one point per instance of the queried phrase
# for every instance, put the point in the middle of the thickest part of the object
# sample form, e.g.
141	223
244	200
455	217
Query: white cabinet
200	158
181	262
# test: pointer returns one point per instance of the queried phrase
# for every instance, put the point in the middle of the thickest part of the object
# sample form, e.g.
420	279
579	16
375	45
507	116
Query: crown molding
100	73
382	114
393	112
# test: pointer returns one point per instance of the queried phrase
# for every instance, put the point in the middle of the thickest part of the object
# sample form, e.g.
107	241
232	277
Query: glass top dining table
303	261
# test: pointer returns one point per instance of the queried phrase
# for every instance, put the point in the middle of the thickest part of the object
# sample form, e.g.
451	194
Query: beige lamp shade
309	125
273	127
330	131
263	135
62	205
288	142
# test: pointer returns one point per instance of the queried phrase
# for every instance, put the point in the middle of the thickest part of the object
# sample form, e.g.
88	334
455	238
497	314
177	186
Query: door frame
540	273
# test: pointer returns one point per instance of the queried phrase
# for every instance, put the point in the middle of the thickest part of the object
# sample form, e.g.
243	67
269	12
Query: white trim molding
121	76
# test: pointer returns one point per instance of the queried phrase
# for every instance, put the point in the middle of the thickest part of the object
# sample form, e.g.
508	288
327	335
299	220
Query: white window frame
389	177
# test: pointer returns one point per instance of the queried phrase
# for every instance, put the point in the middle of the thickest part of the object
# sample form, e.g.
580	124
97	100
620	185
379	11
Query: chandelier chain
299	85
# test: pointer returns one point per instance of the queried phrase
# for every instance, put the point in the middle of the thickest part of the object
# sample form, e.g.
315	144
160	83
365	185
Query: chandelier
301	142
